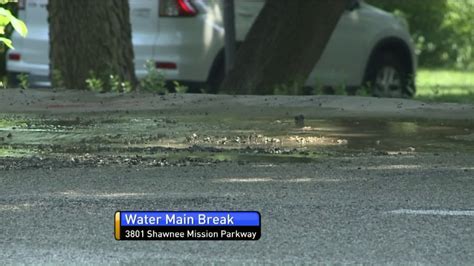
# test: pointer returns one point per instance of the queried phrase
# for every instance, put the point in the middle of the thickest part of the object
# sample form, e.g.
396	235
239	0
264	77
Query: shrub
23	78
154	81
9	10
180	88
6	19
458	23
57	79
94	84
117	85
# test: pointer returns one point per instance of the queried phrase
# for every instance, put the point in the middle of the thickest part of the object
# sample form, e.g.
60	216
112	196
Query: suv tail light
14	57
21	4
165	65
177	8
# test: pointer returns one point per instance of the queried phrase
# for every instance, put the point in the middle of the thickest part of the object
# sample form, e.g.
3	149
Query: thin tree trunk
90	37
284	44
230	42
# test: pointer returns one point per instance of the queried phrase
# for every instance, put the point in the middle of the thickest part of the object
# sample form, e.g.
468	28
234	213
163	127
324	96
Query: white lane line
434	212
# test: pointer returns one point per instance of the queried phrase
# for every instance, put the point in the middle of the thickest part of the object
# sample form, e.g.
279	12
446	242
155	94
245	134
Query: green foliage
7	18
57	79
179	88
340	90
296	88
23	78
154	81
292	88
94	84
285	89
318	90
459	23
363	91
116	85
113	84
4	82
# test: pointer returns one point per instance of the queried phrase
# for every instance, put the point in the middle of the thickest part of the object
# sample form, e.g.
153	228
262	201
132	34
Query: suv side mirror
353	5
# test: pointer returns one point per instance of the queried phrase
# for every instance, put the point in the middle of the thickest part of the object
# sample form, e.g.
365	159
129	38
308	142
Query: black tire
387	76
12	80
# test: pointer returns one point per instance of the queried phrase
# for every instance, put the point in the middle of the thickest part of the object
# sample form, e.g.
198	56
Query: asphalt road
397	209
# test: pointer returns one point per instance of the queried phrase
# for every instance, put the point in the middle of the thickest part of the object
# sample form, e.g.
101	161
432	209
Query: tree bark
90	37
283	45
230	42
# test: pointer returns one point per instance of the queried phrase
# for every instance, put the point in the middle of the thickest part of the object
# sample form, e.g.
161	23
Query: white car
185	39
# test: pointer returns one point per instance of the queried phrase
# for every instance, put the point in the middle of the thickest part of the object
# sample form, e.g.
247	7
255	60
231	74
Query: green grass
445	86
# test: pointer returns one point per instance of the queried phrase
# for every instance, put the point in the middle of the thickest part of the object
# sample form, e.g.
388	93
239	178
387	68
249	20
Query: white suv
185	39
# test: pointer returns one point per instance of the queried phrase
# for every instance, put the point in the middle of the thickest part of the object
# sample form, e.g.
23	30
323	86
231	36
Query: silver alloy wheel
388	83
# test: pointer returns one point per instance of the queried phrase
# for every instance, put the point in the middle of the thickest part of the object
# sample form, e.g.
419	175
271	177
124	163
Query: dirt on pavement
47	128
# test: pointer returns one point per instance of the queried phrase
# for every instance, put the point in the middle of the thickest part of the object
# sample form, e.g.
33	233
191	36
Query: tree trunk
90	38
283	45
230	42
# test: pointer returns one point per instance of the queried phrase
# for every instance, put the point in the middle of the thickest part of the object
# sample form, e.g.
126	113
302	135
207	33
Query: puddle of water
15	152
262	139
365	135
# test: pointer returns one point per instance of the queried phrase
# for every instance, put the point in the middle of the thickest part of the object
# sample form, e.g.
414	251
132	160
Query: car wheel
12	80
388	77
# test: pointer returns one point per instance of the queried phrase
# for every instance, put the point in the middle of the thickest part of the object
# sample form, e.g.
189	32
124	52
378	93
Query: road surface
395	209
362	180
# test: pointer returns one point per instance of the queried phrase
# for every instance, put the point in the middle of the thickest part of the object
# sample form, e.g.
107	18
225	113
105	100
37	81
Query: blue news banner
191	225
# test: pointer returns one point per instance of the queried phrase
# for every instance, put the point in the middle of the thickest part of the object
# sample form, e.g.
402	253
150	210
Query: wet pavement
373	181
151	140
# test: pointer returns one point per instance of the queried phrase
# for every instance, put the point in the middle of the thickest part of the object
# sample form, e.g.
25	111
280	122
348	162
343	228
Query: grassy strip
445	86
